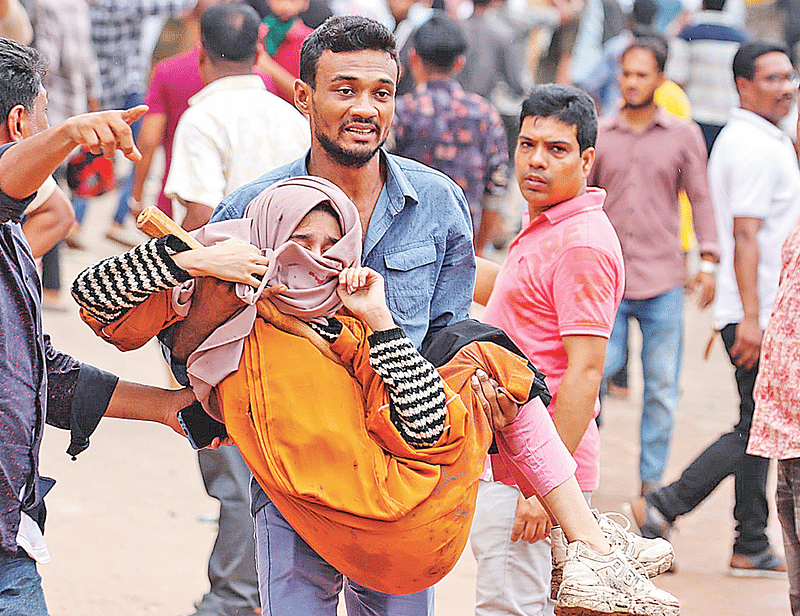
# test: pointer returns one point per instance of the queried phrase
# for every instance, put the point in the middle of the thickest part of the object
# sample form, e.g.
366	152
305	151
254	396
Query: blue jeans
661	321
20	585
295	581
131	100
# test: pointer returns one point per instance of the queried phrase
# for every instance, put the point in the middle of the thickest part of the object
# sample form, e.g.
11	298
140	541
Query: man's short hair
713	5
744	62
567	104
440	41
644	12
340	34
21	72
654	44
229	32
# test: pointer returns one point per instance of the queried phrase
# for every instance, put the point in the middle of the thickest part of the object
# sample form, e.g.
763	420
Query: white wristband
708	267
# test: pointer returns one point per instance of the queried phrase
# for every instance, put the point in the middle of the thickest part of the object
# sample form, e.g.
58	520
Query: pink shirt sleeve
585	286
157	92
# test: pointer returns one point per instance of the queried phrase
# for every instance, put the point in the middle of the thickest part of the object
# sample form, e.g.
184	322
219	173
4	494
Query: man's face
772	90
351	107
550	166
640	78
287	9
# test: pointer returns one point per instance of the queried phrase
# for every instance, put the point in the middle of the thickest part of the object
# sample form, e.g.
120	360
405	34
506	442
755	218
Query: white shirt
233	132
752	173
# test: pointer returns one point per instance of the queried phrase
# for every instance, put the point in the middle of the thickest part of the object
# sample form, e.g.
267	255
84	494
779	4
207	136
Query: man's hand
232	260
747	345
531	522
105	132
707	284
499	409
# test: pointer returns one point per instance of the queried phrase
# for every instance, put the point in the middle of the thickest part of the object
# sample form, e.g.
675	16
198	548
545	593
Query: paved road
129	525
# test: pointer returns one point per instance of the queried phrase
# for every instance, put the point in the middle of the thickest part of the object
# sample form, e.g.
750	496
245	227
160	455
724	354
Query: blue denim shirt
419	238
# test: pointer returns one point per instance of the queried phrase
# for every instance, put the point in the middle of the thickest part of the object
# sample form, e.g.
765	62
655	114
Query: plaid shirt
116	34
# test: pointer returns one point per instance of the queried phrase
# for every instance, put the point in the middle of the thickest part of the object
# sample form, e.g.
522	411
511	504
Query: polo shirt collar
592	199
232	82
743	115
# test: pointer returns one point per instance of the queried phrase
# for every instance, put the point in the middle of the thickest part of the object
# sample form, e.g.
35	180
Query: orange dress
321	444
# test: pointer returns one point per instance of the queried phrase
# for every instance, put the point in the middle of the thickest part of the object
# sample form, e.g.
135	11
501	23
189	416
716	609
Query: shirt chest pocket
410	274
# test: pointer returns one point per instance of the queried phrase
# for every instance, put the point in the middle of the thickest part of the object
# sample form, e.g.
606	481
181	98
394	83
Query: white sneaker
655	555
600	584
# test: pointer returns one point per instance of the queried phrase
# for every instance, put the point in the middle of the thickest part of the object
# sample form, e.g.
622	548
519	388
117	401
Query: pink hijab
269	220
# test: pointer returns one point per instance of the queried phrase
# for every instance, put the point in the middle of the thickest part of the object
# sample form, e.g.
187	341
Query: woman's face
317	232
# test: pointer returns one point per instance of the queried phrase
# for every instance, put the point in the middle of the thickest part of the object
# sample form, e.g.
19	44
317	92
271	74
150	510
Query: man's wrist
708	267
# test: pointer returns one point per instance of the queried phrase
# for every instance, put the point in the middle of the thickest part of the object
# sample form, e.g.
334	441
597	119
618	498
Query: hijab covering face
269	221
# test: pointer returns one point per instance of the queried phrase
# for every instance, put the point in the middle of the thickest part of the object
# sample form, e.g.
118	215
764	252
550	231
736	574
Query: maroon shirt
643	172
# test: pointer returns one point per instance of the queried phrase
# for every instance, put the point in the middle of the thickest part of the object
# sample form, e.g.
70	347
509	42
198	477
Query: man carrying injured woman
369	454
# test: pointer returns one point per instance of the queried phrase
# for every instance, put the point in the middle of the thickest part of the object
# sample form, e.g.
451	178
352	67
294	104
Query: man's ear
302	97
587	156
16	122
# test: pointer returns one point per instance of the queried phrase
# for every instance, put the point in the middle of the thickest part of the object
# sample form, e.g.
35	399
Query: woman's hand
361	291
232	260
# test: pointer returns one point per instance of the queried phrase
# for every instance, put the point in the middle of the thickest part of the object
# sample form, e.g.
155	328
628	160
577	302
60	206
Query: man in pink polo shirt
556	297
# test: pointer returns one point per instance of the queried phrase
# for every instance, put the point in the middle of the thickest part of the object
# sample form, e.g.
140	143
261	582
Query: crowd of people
355	176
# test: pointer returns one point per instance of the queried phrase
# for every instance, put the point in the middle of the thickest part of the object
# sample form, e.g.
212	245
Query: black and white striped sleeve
330	331
416	393
108	289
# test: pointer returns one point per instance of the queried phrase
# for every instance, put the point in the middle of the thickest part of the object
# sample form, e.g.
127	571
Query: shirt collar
449	85
592	199
233	82
743	115
398	189
660	119
712	18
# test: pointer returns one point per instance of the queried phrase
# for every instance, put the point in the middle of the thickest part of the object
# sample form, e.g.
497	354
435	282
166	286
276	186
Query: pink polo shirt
564	276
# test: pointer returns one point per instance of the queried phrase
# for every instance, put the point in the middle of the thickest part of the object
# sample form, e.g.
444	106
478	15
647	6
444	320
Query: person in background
700	60
643	141
456	132
283	36
116	35
174	81
755	185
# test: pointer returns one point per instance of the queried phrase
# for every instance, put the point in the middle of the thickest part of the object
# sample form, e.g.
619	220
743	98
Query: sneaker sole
757	573
576	605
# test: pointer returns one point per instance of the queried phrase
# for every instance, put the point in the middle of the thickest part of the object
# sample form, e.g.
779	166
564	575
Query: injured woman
369	449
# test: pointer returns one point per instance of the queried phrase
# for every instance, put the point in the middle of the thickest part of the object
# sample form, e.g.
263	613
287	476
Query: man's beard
346	158
645	103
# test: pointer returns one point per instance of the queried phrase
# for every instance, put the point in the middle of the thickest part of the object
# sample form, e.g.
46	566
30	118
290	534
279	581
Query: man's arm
151	135
49	223
694	180
747	345
25	166
148	403
485	276
577	394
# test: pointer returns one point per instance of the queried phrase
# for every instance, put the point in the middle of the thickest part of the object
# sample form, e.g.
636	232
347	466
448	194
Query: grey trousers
231	566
